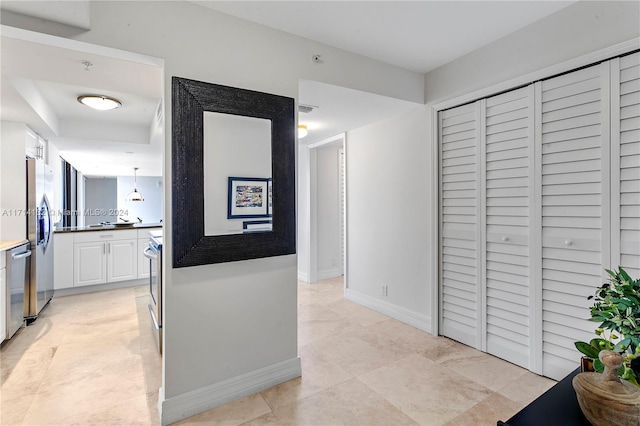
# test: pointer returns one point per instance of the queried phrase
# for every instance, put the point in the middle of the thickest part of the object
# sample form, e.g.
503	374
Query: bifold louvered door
507	187
460	301
574	159
625	167
540	192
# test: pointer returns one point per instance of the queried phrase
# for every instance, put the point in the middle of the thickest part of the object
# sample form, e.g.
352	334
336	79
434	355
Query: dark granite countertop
92	228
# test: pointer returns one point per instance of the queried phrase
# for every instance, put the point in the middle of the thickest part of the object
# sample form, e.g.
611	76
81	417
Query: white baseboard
99	287
199	400
303	276
328	273
406	316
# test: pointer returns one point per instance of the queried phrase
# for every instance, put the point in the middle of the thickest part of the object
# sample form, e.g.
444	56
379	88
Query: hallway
360	367
90	359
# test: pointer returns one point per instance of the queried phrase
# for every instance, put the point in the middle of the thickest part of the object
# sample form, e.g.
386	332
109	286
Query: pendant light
135	195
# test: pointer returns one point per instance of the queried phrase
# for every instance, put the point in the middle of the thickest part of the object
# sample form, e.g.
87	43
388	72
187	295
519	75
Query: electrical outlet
384	290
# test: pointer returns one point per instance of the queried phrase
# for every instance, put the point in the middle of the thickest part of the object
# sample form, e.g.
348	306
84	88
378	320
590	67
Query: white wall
227	322
389	201
149	210
13	186
581	28
328	241
100	195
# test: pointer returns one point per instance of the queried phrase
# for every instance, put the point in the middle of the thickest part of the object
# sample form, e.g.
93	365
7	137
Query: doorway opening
327	208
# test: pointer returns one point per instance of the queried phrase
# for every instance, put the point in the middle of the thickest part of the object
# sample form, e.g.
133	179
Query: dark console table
556	407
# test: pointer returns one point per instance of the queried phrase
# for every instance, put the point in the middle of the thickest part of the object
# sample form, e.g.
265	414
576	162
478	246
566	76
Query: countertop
105	227
8	245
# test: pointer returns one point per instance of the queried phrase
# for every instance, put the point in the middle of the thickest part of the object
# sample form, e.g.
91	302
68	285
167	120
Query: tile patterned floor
89	364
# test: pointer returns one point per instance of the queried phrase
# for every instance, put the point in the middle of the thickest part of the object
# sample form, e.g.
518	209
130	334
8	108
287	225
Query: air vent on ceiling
306	108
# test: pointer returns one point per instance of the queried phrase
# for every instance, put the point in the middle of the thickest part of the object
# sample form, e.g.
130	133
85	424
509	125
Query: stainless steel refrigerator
40	235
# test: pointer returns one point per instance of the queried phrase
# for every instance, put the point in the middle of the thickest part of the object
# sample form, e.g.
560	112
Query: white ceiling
415	35
40	83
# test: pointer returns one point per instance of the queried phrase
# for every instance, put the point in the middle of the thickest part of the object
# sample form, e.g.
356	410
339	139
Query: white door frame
338	140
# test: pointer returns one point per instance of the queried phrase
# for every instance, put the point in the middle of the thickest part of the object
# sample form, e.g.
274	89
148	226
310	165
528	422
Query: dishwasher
18	267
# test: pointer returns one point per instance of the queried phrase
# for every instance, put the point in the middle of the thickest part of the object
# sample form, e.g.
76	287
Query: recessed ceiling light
99	102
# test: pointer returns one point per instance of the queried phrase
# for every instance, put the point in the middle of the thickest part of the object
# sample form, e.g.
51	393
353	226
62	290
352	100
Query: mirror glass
237	174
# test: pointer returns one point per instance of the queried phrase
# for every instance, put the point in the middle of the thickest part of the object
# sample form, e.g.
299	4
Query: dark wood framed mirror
191	246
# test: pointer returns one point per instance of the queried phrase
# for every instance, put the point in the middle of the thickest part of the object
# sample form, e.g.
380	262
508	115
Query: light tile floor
91	360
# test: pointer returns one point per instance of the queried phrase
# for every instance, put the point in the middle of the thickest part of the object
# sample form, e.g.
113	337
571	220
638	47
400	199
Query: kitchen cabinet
3	292
104	256
122	260
62	260
90	263
34	145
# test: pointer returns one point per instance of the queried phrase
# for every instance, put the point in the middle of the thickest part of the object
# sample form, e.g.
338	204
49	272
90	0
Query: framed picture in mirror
248	198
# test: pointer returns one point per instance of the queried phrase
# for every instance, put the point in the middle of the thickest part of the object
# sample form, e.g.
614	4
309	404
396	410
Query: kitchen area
81	202
66	250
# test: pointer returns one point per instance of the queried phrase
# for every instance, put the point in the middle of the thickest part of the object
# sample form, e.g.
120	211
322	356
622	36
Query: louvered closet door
625	115
460	259
509	153
574	144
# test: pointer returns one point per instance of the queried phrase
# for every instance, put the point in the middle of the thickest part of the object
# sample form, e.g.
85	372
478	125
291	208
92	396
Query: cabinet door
460	304
574	143
122	260
625	164
63	260
3	301
31	144
508	142
89	263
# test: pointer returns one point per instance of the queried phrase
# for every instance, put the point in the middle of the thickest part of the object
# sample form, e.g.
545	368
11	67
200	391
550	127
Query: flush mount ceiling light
302	131
135	195
99	102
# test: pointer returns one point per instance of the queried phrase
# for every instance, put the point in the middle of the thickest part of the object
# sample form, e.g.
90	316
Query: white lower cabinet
90	263
122	260
3	302
95	257
100	257
63	260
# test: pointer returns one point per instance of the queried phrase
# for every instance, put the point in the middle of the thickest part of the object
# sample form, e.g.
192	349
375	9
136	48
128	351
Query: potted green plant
617	308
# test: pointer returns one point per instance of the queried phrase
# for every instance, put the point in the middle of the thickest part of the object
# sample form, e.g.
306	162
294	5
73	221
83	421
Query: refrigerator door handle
45	227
